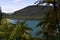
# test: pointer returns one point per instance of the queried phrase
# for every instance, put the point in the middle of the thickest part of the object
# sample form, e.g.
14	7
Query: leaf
27	28
41	23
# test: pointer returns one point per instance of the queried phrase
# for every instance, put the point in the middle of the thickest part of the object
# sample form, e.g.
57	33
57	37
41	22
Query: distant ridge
34	10
30	12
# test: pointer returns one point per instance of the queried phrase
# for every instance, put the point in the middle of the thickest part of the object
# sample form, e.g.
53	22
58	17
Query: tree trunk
0	15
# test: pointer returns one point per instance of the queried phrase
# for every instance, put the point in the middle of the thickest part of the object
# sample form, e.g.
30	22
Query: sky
10	6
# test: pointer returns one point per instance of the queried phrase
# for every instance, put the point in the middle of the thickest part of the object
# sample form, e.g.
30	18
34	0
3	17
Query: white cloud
15	1
8	10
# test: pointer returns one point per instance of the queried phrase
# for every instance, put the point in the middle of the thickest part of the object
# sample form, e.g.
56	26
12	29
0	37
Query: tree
9	31
20	32
5	29
50	26
0	15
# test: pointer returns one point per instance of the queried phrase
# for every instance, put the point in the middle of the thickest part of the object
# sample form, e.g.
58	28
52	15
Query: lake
31	24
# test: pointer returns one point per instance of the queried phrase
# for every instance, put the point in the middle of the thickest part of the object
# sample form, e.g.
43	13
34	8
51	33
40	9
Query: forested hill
5	15
33	10
30	12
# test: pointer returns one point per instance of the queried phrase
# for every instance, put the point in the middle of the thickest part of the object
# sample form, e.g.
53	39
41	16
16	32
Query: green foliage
19	31
14	31
50	25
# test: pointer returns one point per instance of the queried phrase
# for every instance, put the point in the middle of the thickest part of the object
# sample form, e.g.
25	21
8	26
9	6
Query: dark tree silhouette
50	25
0	15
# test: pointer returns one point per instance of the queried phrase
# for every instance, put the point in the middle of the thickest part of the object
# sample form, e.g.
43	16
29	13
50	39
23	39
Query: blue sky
10	6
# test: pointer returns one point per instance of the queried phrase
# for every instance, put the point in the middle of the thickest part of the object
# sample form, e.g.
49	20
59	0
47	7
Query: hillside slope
30	12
